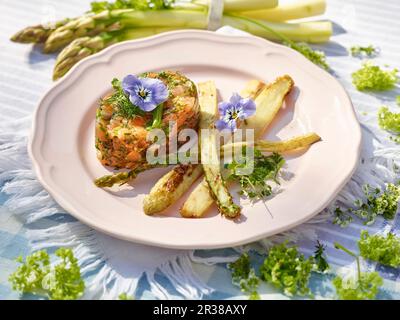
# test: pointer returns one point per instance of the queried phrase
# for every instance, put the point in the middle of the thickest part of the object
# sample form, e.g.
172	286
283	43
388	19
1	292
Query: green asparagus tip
117	178
231	212
35	34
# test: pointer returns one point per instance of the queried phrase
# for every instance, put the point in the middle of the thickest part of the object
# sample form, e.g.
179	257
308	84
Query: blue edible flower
237	108
145	93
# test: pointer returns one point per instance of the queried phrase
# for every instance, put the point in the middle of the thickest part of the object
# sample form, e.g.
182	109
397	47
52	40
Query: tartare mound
121	139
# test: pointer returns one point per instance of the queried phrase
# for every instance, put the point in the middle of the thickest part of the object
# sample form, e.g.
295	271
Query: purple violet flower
237	108
145	93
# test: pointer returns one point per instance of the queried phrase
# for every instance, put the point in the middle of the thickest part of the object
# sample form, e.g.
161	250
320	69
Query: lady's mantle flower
237	108
145	93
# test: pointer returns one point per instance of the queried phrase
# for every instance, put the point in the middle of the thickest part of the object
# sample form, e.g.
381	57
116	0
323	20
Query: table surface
25	75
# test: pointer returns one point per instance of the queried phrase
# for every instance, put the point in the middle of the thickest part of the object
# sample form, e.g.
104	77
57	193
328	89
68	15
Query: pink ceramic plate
63	153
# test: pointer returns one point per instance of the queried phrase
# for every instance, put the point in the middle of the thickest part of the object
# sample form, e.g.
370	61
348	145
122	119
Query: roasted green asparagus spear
116	178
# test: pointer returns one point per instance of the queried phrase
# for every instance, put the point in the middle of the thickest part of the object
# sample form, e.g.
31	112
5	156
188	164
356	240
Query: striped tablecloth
25	75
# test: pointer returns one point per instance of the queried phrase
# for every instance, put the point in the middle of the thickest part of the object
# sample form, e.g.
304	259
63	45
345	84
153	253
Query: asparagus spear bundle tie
215	13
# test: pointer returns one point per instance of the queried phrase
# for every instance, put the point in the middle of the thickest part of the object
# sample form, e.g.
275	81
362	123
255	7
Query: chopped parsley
365	286
367	51
36	275
287	269
265	168
390	121
120	100
385	250
372	77
244	277
378	203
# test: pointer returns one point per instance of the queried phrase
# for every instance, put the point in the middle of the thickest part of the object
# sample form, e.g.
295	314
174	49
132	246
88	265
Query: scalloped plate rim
106	56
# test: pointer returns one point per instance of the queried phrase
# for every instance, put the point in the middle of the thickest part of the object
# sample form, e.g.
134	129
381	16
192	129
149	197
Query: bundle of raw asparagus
110	22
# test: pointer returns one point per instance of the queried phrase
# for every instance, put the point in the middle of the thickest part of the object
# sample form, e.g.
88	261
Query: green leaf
390	121
59	282
385	250
244	277
29	276
377	203
364	288
265	168
287	269
321	264
372	77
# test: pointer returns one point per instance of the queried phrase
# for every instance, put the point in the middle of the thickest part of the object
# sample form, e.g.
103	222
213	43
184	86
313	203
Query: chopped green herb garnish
287	269
36	275
378	203
368	51
385	250
365	286
390	121
398	100
244	276
123	106
372	77
254	185
321	264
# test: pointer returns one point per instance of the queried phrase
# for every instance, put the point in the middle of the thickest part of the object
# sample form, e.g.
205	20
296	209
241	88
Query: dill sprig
120	100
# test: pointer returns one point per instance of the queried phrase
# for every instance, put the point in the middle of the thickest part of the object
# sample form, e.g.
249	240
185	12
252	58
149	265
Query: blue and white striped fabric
25	75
